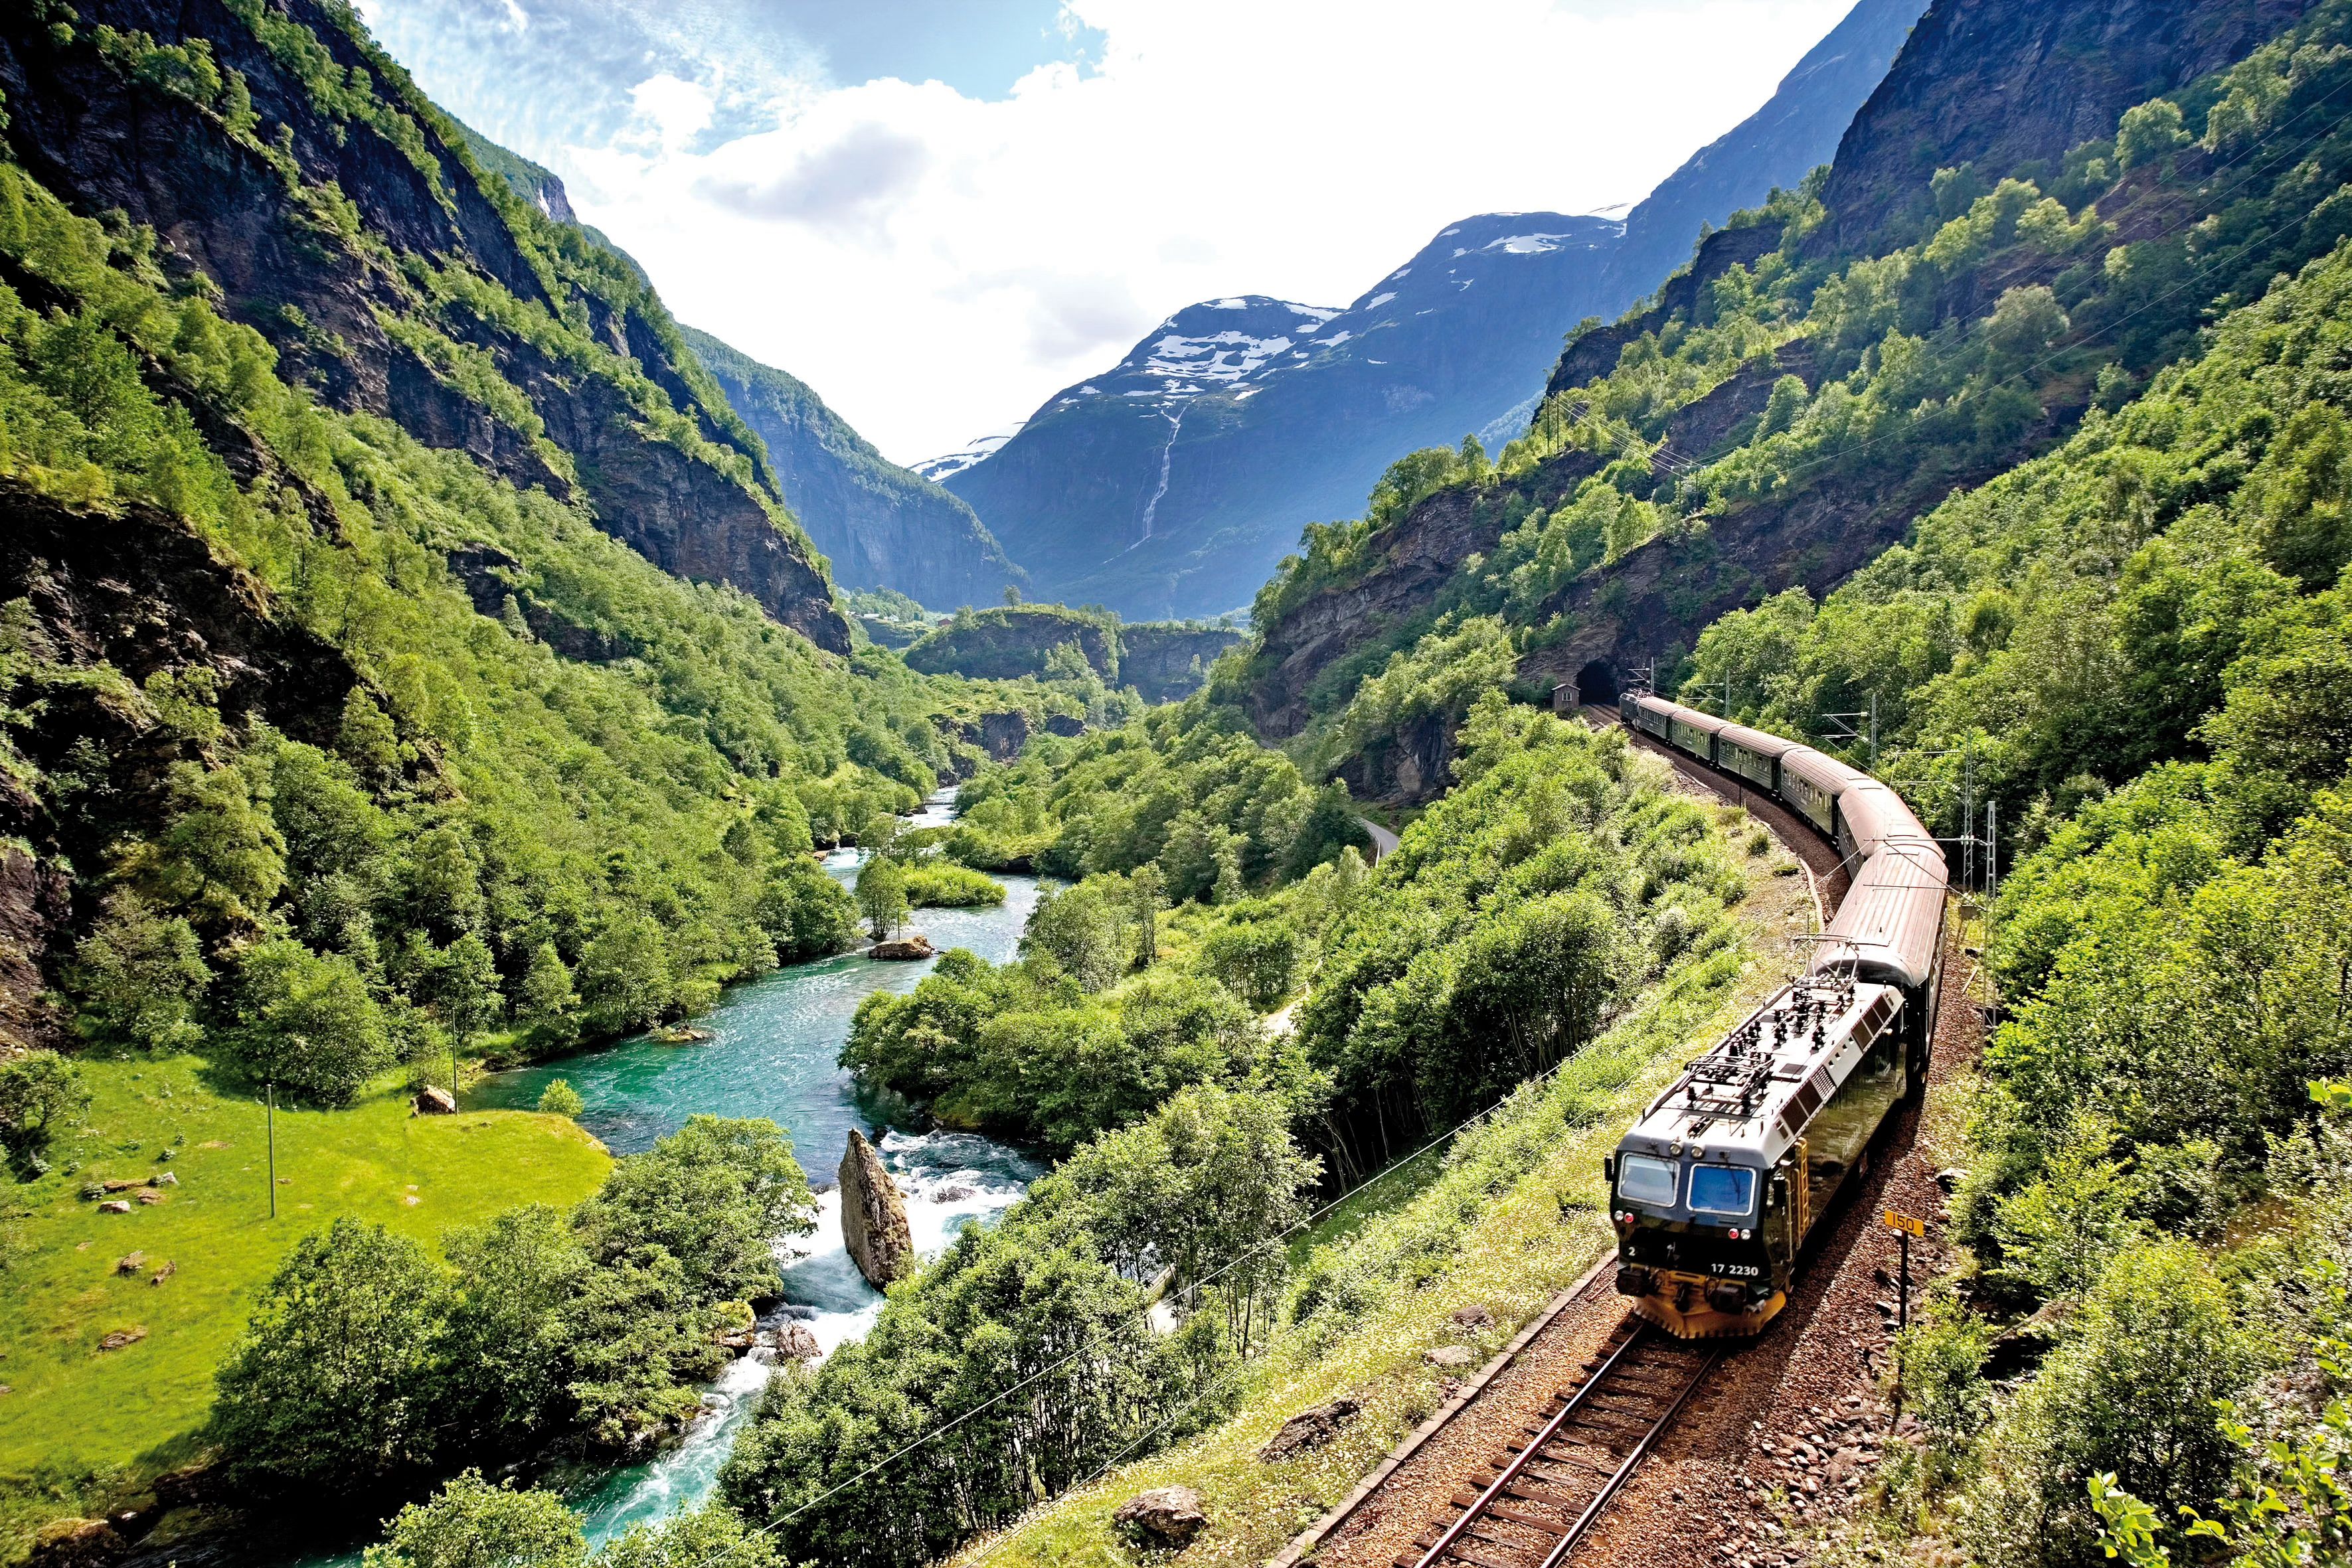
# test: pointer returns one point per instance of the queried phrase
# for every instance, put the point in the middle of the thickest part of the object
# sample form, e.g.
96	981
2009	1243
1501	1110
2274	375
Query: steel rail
1640	1338
1609	1489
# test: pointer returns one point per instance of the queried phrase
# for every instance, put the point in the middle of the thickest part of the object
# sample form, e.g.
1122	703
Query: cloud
842	183
938	260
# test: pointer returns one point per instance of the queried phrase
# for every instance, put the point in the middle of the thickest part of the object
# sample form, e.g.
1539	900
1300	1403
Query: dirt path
1787	1429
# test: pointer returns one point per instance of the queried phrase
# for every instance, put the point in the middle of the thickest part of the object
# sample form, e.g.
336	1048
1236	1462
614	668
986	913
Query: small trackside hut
1716	1189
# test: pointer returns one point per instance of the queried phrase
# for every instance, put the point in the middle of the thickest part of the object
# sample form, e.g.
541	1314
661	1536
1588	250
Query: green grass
1510	1217
74	1410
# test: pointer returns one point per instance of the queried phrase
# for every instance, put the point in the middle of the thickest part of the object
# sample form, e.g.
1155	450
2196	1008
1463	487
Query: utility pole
1874	732
1968	811
273	1148
1992	851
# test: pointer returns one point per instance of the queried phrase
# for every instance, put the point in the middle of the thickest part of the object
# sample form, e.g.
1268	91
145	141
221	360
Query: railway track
1549	1485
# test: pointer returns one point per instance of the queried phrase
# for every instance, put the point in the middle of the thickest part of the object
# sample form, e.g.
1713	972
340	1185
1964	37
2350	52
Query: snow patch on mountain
935	469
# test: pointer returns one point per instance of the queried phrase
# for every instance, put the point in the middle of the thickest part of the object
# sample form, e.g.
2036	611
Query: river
773	1055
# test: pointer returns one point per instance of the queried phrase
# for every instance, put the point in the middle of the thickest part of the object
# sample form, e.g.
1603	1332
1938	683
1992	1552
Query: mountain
461	284
1173	483
2007	87
1800	397
880	524
1797	129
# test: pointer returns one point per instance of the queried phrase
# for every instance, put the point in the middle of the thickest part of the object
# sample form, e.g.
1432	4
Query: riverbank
82	1427
1444	1260
113	1322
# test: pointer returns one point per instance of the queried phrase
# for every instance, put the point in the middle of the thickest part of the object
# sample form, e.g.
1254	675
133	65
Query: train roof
1762	743
1893	915
1748	1099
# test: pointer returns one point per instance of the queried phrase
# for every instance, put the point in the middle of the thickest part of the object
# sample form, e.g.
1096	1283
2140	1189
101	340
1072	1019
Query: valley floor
114	1322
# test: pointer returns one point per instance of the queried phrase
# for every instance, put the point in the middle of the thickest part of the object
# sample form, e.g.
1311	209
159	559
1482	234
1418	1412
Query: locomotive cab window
1722	1189
1640	1179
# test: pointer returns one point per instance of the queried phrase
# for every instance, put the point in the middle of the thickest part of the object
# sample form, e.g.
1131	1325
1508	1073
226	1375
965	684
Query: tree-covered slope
1161	660
881	526
279	153
308	711
1787	406
1172	483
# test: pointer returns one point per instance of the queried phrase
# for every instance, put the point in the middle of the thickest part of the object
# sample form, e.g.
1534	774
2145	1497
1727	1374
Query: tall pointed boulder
873	1216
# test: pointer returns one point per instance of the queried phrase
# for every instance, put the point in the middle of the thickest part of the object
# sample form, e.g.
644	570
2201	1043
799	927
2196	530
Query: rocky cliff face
1794	132
2005	83
115	617
873	1216
1165	661
340	215
880	524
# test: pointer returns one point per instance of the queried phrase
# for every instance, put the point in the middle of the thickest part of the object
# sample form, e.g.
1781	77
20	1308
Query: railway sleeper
1527	1518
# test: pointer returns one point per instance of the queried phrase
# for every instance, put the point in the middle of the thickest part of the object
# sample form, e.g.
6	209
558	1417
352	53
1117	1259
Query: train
1716	1189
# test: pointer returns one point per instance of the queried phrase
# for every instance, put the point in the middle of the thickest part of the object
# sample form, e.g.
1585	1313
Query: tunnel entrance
1597	683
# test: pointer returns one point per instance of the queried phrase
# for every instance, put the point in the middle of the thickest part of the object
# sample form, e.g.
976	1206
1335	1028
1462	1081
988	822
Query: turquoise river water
773	1055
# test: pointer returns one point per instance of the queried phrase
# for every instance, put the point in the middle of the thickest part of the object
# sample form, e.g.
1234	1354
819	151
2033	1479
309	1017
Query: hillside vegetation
1788	407
1565	890
352	727
2141	642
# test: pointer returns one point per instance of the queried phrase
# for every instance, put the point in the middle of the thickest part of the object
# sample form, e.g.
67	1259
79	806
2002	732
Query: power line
1279	1239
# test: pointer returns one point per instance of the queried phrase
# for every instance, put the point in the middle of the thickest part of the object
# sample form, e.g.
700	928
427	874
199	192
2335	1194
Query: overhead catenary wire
1279	1239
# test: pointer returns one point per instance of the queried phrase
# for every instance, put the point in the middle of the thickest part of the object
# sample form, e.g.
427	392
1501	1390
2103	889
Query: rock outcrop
1310	1430
1161	660
905	949
2000	83
602	398
143	599
874	1227
435	1101
1165	1516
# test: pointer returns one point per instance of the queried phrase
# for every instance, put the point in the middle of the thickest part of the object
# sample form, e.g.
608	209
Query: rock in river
873	1216
914	945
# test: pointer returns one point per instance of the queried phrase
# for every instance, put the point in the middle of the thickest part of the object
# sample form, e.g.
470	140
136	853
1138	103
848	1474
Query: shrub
944	886
138	977
560	1099
469	1523
328	1391
306	1020
39	1090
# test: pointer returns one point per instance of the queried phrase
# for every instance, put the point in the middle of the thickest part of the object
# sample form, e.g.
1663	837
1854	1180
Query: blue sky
939	212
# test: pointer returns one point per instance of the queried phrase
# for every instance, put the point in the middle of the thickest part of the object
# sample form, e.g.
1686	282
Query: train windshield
1722	1189
1640	1179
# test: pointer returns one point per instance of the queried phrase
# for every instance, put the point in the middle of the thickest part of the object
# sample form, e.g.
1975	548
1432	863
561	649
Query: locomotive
1714	1190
